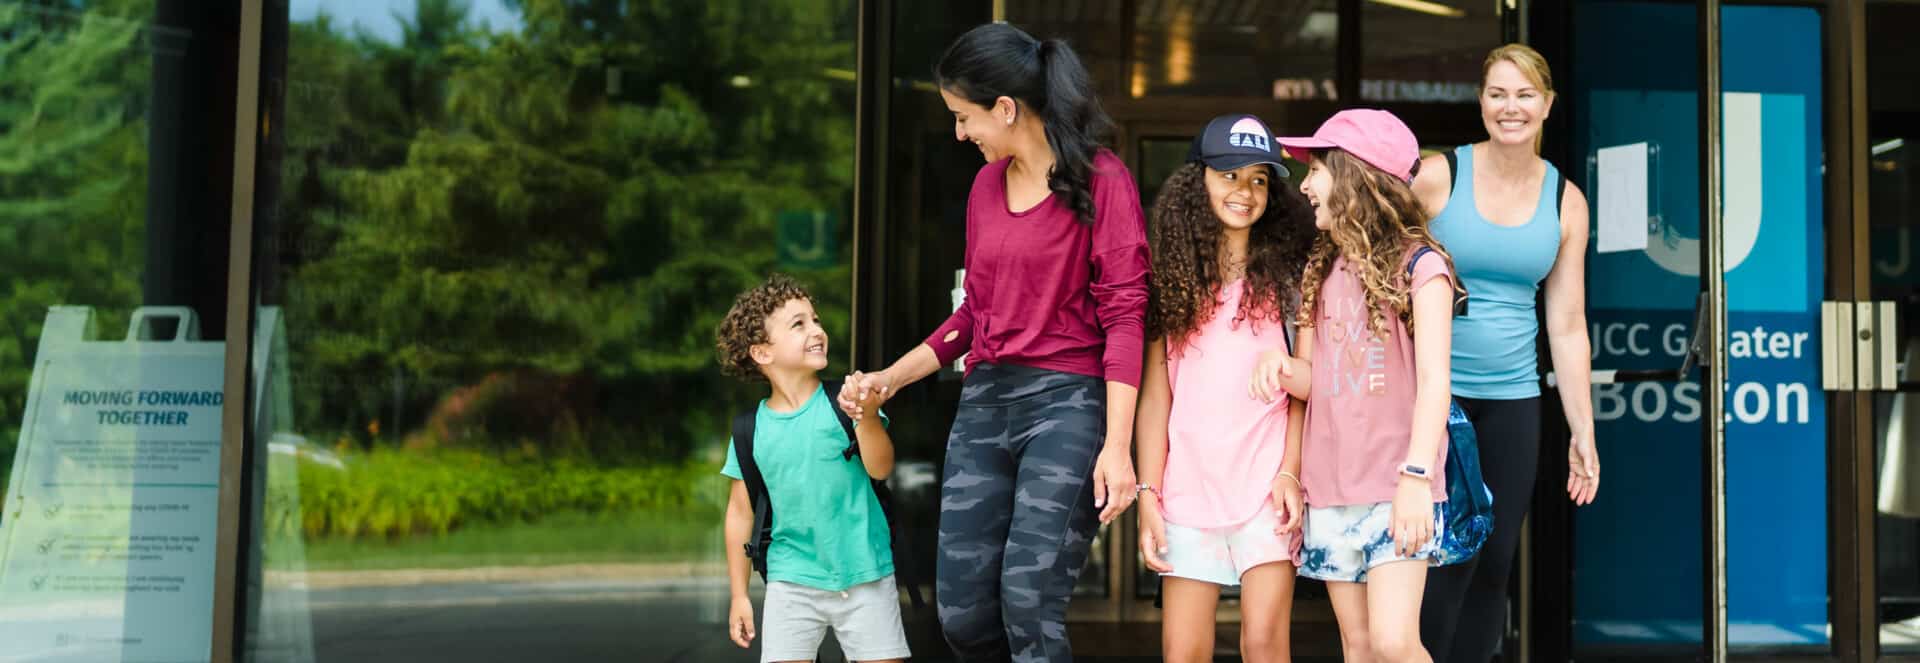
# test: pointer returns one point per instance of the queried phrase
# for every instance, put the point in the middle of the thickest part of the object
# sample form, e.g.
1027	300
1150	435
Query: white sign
109	531
1623	198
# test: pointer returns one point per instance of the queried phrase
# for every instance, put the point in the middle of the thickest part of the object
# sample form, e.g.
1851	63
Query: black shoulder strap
846	422
762	533
1560	194
1459	307
1417	253
1453	167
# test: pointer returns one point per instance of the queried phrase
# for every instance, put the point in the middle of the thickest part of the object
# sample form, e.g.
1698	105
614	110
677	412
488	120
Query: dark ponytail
998	60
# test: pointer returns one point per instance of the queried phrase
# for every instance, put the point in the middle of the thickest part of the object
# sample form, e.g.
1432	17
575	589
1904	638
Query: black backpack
762	537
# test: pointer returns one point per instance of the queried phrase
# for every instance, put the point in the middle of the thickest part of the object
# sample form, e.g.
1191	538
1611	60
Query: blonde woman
1512	224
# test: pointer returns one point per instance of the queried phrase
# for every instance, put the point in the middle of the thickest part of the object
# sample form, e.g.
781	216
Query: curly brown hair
745	325
1185	239
1380	221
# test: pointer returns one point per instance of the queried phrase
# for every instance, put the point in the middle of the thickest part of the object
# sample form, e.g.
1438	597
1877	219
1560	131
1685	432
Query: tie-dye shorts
1344	542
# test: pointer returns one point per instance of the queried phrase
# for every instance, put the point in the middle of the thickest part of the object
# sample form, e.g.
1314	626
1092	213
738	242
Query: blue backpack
1469	503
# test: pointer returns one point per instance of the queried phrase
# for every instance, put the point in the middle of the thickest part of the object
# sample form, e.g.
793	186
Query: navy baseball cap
1231	142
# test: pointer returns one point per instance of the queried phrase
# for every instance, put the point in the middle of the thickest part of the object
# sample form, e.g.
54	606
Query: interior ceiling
1389	32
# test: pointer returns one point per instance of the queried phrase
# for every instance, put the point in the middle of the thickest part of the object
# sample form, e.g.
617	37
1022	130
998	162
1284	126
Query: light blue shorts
1220	555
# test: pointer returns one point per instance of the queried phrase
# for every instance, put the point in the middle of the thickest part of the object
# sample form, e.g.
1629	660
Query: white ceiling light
1425	7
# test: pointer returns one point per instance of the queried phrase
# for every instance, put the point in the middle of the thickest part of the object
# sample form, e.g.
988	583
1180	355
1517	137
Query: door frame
1852	590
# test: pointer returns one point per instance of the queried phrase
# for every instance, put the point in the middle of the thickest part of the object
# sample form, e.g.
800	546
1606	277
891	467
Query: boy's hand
740	622
868	400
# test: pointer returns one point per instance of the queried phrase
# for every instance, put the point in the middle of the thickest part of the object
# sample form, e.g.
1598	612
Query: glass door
1643	555
1640	556
1893	229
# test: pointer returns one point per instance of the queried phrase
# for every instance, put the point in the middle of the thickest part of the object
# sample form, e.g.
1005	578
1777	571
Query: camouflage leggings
1016	510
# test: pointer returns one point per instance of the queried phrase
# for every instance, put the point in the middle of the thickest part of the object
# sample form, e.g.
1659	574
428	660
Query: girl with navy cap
1220	501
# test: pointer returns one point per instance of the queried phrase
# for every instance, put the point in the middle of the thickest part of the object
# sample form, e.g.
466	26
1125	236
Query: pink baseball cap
1375	136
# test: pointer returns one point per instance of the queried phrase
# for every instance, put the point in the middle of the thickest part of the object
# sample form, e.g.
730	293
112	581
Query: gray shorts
865	619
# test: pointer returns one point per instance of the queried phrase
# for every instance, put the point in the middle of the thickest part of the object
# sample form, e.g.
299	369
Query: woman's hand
1153	535
1412	516
1113	482
1583	469
1273	365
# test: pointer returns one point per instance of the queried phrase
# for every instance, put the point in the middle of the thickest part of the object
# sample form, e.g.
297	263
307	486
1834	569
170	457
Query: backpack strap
762	535
1417	253
832	388
881	493
1459	307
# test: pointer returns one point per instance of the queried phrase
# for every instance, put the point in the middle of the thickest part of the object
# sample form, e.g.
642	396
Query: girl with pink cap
1374	333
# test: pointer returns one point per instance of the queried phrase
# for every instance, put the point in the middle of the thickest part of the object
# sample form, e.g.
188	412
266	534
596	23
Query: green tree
73	94
584	200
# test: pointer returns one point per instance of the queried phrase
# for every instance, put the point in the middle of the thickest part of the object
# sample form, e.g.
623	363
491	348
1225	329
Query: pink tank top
1224	447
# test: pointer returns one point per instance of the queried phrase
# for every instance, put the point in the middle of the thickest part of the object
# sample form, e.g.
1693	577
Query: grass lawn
562	538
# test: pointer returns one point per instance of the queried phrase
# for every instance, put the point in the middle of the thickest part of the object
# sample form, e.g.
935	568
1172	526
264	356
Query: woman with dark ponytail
1052	325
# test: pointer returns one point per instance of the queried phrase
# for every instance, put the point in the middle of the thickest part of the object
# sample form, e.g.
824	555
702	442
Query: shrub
390	493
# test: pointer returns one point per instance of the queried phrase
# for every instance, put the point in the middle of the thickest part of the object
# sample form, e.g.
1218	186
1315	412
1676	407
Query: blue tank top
1494	355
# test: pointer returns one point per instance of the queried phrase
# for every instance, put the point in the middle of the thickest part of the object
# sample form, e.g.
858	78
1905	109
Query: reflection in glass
1425	52
1092	27
1278	50
114	200
1894	232
501	237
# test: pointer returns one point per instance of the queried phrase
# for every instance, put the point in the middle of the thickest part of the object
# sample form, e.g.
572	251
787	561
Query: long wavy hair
998	60
1186	240
1377	224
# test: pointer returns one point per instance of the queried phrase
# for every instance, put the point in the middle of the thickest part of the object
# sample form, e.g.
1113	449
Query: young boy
829	562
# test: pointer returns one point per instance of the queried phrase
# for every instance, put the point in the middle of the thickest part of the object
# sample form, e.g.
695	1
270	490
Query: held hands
1289	503
1273	365
1412	516
1153	535
740	622
1583	469
864	392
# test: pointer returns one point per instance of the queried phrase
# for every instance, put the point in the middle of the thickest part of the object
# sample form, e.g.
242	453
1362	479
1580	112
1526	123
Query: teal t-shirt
828	530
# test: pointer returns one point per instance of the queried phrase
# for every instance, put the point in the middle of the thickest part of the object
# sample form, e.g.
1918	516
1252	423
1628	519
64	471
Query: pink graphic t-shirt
1224	447
1360	418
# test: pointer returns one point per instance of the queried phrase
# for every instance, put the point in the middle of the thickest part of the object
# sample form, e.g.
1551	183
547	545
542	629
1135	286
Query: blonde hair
1531	64
1377	223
